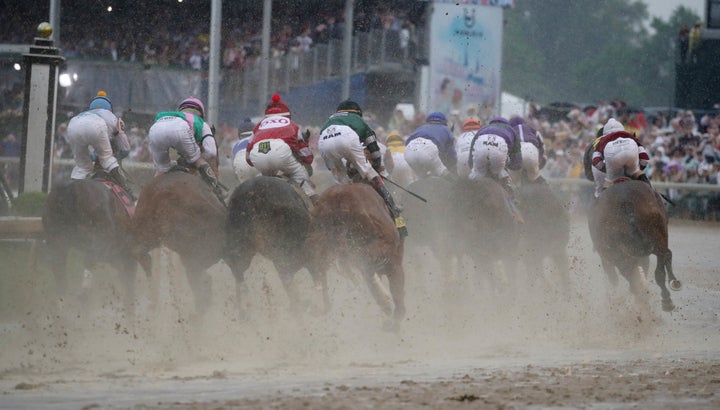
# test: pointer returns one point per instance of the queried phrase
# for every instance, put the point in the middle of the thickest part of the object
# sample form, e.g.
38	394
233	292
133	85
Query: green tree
586	51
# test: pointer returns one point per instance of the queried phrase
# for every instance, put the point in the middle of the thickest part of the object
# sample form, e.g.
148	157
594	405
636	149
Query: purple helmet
516	121
192	104
502	120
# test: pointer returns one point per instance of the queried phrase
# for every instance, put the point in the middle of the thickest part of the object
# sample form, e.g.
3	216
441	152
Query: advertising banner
465	55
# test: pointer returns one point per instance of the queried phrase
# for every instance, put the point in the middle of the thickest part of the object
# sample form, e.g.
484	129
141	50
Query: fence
691	201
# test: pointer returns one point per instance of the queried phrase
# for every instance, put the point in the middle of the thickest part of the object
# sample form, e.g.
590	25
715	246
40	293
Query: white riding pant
462	150
530	160
243	170
423	157
171	132
273	157
490	156
621	159
402	173
599	178
340	142
89	130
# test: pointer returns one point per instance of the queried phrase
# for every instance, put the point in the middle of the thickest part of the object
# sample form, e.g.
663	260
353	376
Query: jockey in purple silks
430	149
532	148
494	147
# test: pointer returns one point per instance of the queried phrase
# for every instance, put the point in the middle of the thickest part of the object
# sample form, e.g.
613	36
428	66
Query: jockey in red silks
278	146
619	154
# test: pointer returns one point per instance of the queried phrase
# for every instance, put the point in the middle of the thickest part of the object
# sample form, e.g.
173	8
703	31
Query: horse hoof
668	306
675	285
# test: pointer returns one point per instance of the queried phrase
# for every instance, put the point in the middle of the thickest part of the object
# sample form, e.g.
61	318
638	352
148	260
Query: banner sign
465	55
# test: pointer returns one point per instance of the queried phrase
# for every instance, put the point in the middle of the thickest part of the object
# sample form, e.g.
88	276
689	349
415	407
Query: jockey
187	132
430	149
395	155
100	129
242	169
278	146
532	148
342	143
462	145
493	147
619	154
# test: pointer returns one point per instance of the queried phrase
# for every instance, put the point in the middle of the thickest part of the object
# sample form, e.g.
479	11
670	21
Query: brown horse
432	221
628	223
179	211
485	222
270	217
88	216
546	231
352	224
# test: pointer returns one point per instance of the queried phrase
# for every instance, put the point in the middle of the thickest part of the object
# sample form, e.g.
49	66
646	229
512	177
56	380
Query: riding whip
404	189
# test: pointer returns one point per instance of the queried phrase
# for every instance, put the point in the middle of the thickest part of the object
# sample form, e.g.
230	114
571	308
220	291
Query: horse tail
587	162
60	210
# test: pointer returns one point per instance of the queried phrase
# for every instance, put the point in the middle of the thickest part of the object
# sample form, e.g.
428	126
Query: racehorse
270	217
546	231
433	222
93	217
179	210
628	223
485	225
351	224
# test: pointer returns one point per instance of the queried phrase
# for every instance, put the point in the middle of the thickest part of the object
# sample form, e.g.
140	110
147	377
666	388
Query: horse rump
352	224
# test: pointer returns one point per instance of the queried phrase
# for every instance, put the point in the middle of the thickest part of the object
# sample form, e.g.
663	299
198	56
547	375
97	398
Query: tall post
265	57
214	68
41	81
55	20
347	49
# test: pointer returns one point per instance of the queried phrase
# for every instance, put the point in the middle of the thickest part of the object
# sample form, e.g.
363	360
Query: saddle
117	190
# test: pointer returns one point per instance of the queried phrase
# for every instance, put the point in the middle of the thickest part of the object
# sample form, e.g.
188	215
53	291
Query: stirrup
400	225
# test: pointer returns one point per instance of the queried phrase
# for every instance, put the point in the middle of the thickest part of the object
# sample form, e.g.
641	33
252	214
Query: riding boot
208	175
540	180
379	186
120	180
642	177
513	203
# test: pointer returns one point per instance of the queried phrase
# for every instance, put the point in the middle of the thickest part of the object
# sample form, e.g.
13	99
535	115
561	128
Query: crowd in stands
169	43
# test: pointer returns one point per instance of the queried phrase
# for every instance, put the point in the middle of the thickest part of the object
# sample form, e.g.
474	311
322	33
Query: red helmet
277	107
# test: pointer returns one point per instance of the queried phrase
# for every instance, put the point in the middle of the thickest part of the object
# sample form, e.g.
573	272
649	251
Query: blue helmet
436	117
101	102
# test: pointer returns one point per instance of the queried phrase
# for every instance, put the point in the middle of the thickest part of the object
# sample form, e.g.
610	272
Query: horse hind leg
675	284
378	292
664	269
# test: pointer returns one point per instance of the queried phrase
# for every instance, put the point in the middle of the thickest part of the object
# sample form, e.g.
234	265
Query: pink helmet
192	104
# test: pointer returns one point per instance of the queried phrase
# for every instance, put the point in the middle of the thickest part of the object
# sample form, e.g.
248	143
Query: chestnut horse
89	216
178	210
351	224
628	223
270	217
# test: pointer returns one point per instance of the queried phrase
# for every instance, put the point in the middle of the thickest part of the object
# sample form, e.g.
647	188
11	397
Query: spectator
683	42
10	146
695	38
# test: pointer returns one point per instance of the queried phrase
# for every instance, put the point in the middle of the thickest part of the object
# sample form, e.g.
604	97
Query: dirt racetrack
461	346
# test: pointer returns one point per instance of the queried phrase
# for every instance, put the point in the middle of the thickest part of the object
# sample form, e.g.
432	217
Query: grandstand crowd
683	147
